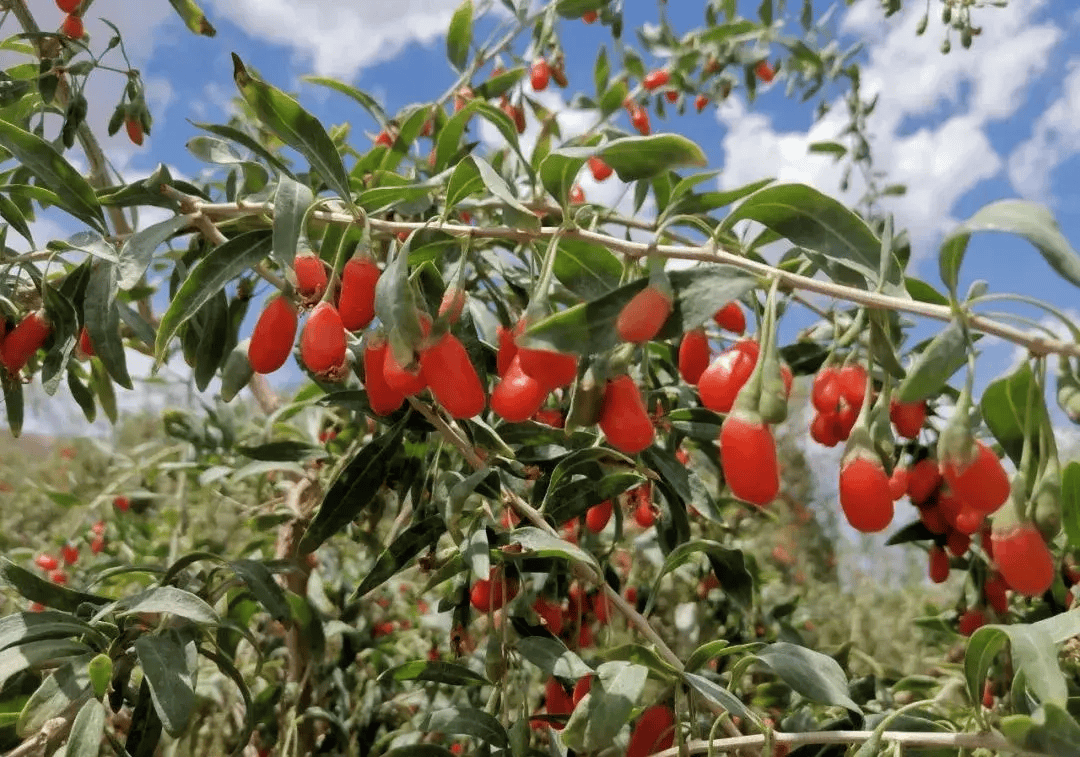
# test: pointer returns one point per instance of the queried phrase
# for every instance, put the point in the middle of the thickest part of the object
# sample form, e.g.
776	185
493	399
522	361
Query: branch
708	253
992	741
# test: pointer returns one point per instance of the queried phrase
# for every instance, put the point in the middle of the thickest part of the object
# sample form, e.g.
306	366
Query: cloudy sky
1001	120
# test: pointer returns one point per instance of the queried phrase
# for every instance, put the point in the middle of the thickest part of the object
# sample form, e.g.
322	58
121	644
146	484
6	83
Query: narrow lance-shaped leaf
943	357
102	318
193	16
636	158
73	192
294	126
209	276
414	540
138	250
459	35
169	665
816	676
84	740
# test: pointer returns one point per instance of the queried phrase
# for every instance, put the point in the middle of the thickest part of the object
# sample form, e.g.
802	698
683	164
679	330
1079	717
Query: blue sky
999	120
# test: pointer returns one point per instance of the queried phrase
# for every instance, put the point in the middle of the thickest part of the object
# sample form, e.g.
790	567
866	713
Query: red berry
645	515
46	562
988	695
507	351
764	71
97	544
581	688
549	417
825	430
68	6
672	95
694	355
597	516
70	553
982	484
322	343
923	481
600	170
98	528
958	543
653	732
557	701
864	495
908	417
134	129
898	482
73	27
452	378
1024	560
852	379
517	397
731	318
356	302
601	607
939	565
382	398
384	139
825	392
971	621
656	79
85	345
589	17
719	384
700	102
995	590
552	369
453	303
58	577
273	337
577	195
403	381
488	593
311	278
639	117
748	459
539	74
623	418
643	316
24	340
551	613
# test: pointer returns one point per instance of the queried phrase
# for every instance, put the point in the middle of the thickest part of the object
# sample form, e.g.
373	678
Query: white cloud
341	38
958	94
1055	137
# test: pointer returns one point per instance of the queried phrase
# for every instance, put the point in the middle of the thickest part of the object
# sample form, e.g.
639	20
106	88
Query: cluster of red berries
654	730
72	25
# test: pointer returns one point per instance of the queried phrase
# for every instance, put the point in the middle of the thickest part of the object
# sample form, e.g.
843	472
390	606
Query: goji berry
864	495
995	590
655	79
653	732
273	337
639	118
983	483
643	316
597	516
581	688
46	562
311	278
971	621
764	71
825	391
452	378
73	27
577	195
700	102
382	398
645	515
24	340
400	379
552	369
719	384
86	347
551	613
939	565
70	553
356	302
589	17
898	482
731	318
923	480
517	397
600	170
68	6
748	459
852	379
1024	560
623	418
134	129
908	417
452	305
825	430
322	343
539	74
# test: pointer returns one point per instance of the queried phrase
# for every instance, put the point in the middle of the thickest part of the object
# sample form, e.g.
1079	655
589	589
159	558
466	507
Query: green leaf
559	170
413	540
552	657
66	684
10	212
34	654
1034	653
169	664
193	16
37	589
208	277
537	543
1050	730
1004	406
810	219
596	721
711	650
420	750
943	357
636	158
433	671
577	8
718	695
353	490
138	250
291	202
642	655
102	318
1029	220
235	135
498	187
816	676
285	450
171	600
13	403
589	327
459	35
467	721
728	564
74	193
288	121
366	101
24	626
84	740
588	270
464	182
266	590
